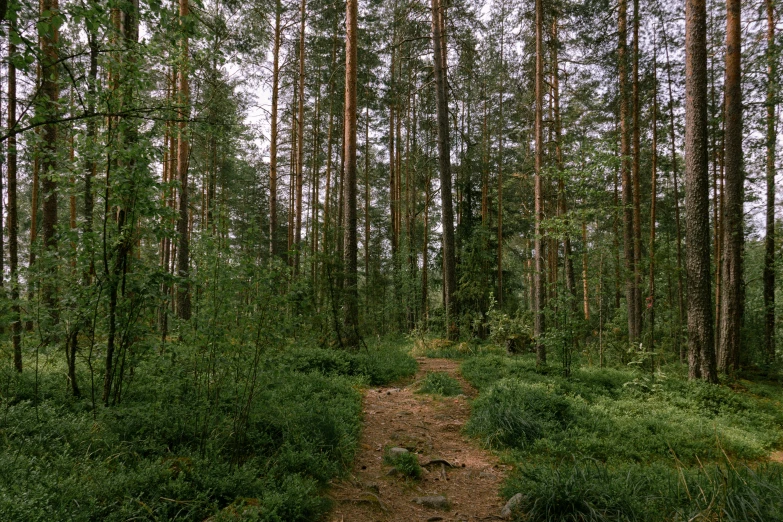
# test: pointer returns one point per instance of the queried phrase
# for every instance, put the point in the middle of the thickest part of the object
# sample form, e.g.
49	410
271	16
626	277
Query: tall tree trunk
733	238
637	216
653	197
678	228
50	92
701	354
769	238
351	304
300	138
367	205
392	155
273	131
183	149
501	135
444	165
539	276
13	219
562	205
627	175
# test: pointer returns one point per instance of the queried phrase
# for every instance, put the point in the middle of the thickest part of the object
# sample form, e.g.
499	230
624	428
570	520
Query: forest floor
430	426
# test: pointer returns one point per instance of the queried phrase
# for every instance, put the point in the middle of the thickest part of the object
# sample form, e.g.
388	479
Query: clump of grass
589	491
406	463
440	383
515	414
378	365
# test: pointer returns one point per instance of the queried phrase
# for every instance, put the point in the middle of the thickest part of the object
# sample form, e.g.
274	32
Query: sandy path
431	427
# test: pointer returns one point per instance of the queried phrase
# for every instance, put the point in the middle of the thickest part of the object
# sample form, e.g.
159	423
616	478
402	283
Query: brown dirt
776	456
430	426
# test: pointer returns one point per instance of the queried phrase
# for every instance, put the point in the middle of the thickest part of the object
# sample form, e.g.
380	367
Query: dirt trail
430	426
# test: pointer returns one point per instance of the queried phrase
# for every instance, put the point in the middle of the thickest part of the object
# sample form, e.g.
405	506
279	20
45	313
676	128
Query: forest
299	260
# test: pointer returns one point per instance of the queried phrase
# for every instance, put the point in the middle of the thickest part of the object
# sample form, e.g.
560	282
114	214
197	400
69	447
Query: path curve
430	426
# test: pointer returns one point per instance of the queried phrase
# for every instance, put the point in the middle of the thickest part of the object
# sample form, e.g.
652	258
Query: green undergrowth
189	441
440	383
442	349
621	444
405	463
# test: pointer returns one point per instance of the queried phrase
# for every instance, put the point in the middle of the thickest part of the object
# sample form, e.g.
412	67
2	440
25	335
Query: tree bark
444	165
637	216
351	304
13	216
273	132
701	355
732	308
629	238
300	139
653	197
678	227
50	93
769	238
183	149
539	276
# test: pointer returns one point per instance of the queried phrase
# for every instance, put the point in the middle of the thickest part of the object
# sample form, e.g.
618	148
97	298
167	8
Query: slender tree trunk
13	219
627	176
653	197
733	238
444	164
392	157
562	205
50	93
273	131
539	276
585	299
701	354
367	206
351	305
183	148
769	238
637	216
678	228
300	138
329	141
500	160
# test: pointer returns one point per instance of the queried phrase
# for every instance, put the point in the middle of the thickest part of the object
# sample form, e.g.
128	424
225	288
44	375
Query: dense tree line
592	177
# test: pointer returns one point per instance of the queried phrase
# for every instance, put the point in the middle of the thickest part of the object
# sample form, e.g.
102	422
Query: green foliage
515	414
625	444
588	491
379	365
175	450
440	383
406	463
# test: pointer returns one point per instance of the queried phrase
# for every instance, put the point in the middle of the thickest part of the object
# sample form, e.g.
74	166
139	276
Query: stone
511	505
434	502
396	452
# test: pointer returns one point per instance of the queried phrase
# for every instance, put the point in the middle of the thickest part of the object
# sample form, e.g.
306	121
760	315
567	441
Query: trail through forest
460	481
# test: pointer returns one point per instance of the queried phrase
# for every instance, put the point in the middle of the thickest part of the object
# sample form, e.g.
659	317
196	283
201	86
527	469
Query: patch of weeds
590	491
440	383
406	463
515	414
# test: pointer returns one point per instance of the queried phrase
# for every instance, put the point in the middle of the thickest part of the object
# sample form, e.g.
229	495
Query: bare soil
430	426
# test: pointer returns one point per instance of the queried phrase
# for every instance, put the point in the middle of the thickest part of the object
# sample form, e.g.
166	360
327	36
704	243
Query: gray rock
434	502
396	452
511	505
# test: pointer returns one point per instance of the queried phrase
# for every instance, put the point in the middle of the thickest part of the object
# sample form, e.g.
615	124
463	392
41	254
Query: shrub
440	383
406	463
515	414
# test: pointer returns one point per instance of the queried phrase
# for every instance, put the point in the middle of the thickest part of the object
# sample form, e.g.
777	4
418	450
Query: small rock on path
430	426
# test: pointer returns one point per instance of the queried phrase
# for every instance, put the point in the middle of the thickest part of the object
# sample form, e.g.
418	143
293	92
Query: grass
406	463
620	444
188	441
440	383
